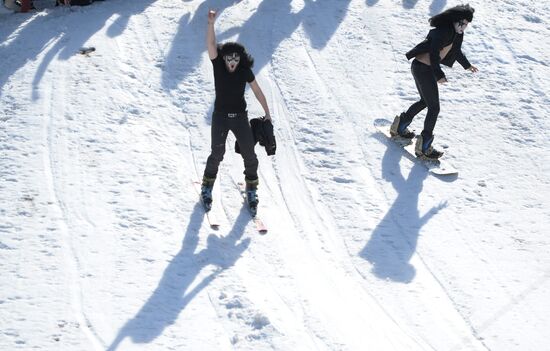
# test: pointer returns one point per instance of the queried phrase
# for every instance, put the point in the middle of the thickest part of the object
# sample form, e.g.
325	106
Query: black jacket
436	40
262	129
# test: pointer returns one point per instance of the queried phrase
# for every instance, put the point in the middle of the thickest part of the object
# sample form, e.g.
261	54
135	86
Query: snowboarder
441	46
232	70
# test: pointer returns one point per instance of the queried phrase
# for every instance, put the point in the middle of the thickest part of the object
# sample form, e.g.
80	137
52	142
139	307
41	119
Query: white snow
103	245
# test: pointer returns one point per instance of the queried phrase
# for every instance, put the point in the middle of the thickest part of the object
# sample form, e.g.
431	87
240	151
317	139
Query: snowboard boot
424	148
399	127
251	195
206	191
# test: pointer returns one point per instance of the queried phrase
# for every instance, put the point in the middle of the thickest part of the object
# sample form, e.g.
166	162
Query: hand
473	69
267	116
443	80
212	16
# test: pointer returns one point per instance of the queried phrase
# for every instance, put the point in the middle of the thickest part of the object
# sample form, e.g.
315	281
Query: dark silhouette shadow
24	46
189	44
172	295
437	6
409	4
271	23
77	32
394	240
321	19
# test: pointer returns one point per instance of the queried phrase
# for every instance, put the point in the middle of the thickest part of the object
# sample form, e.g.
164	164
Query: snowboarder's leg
402	121
426	84
429	92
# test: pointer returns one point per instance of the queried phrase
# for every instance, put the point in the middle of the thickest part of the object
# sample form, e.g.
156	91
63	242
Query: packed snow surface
104	245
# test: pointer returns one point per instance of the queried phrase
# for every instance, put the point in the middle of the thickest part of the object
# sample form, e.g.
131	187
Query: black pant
237	123
429	97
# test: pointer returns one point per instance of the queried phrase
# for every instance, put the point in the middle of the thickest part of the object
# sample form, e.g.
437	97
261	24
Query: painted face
232	61
460	26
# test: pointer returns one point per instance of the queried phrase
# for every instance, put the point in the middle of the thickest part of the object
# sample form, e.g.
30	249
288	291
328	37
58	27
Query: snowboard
439	167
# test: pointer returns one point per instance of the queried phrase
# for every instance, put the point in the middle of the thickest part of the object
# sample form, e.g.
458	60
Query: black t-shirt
230	86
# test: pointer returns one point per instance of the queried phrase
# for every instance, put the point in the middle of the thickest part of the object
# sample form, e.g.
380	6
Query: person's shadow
24	46
393	241
172	294
77	32
189	43
271	23
436	6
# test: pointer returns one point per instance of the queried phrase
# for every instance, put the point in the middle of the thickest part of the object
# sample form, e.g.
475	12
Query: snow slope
103	245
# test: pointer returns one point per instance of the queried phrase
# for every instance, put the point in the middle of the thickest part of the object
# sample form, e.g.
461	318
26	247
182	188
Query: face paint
232	61
460	26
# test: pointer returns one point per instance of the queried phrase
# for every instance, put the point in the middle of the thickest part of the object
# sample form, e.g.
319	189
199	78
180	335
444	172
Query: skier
441	46
232	70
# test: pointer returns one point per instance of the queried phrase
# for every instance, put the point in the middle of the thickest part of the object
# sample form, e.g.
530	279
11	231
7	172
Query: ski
211	216
260	226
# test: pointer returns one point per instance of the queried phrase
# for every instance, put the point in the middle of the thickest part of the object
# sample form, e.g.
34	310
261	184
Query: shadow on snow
393	241
173	292
436	7
271	23
64	28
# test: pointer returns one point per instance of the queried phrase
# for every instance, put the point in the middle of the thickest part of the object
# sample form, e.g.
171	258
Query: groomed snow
104	246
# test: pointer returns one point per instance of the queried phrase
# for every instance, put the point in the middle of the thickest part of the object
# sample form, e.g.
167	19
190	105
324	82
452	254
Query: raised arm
261	97
211	35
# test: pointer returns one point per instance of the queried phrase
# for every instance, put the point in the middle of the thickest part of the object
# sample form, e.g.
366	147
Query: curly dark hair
453	14
232	47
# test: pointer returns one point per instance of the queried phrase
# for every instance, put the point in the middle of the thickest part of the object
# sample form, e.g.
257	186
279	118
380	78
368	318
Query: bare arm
211	36
261	98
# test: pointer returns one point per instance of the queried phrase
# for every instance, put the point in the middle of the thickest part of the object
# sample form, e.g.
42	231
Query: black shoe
206	191
252	195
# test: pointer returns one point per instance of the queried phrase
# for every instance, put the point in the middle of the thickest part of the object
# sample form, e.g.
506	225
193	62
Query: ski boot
252	196
399	128
424	149
206	192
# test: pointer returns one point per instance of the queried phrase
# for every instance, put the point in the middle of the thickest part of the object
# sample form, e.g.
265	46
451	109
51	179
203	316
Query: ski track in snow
105	245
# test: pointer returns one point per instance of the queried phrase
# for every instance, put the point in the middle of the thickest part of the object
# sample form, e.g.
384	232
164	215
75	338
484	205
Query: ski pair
213	216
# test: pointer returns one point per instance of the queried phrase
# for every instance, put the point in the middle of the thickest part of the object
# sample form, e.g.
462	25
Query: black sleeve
436	42
249	75
461	58
216	60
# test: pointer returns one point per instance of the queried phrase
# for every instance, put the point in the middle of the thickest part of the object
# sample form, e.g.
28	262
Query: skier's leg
219	130
243	133
245	138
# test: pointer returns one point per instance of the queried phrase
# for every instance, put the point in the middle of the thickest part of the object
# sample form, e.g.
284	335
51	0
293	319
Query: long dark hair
453	14
230	47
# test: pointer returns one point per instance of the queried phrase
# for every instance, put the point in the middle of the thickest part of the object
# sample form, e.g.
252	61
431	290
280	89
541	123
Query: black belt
231	114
